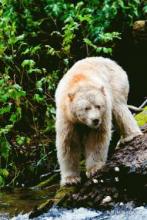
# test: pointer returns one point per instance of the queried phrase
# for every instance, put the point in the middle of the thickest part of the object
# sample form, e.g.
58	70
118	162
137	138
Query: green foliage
39	40
141	118
21	140
3	175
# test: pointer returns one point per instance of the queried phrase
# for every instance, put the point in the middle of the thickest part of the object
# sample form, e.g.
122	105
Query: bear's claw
130	138
70	180
93	170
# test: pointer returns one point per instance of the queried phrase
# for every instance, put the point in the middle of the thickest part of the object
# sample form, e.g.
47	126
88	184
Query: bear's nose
95	121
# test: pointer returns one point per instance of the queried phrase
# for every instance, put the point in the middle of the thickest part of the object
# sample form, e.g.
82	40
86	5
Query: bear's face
88	107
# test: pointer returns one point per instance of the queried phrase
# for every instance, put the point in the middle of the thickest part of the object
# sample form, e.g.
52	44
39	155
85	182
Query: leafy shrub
39	40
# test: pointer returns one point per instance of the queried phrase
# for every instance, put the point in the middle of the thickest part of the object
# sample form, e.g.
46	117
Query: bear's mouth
91	124
95	126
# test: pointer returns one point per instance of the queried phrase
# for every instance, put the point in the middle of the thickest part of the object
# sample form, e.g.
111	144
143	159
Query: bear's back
93	70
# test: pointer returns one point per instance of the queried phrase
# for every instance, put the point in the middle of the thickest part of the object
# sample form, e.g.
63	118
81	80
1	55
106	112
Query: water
21	200
120	212
14	205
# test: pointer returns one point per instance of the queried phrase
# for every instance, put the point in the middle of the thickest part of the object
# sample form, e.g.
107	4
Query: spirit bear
87	96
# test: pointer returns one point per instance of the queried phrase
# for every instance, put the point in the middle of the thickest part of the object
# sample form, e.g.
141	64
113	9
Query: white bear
86	97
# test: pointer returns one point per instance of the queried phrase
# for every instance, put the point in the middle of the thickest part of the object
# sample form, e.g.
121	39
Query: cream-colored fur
86	97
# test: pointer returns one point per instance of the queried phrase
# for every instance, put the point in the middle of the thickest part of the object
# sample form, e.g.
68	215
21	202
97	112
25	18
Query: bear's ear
103	90
71	96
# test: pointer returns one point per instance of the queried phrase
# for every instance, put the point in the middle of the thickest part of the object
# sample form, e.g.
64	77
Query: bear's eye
87	108
98	106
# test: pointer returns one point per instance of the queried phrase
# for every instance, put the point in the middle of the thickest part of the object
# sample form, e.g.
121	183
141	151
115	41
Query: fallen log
122	179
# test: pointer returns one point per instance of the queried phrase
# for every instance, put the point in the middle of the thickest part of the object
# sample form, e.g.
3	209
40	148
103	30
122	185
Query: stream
126	212
16	204
23	200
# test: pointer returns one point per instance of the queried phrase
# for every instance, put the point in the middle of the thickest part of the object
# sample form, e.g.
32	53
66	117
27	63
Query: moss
61	195
54	179
141	118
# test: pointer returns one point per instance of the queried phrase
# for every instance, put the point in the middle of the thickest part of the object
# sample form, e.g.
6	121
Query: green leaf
4	148
141	118
16	115
145	9
20	140
35	70
20	37
1	181
6	129
5	109
28	63
38	98
4	172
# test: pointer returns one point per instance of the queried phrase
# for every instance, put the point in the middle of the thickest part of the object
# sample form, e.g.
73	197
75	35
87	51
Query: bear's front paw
130	138
93	170
70	180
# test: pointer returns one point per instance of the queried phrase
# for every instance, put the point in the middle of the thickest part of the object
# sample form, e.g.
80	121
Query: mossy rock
141	118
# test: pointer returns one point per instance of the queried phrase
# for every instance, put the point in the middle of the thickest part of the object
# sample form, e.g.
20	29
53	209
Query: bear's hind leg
125	121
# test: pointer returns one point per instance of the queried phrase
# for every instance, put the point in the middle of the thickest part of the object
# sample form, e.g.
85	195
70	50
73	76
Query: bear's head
88	105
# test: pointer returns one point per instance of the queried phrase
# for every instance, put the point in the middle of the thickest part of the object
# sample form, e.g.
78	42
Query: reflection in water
21	200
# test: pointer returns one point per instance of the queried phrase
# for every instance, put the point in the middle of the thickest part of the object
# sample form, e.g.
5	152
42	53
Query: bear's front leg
125	121
68	152
96	150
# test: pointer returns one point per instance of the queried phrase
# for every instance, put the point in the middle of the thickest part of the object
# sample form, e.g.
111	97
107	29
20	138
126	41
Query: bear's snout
95	122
